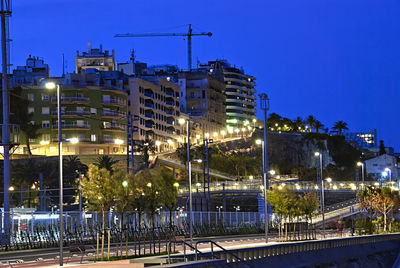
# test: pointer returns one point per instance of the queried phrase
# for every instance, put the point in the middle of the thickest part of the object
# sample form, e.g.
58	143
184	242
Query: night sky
334	59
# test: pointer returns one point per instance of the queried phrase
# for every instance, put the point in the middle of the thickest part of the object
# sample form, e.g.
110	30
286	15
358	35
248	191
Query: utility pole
5	126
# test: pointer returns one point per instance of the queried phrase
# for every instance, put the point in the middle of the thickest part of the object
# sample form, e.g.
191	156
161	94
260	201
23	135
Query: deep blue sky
334	59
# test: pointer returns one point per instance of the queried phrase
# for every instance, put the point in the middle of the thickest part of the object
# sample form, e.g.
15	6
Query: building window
31	110
93	111
31	97
45	97
46	124
93	137
46	137
45	110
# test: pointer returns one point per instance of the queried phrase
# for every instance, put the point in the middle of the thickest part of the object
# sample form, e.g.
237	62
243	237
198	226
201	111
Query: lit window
31	110
45	110
93	137
46	124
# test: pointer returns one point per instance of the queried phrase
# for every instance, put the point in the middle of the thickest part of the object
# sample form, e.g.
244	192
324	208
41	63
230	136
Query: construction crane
189	35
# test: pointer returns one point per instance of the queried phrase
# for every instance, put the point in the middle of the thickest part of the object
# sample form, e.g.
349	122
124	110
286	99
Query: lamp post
389	171
322	192
264	104
181	122
361	164
52	85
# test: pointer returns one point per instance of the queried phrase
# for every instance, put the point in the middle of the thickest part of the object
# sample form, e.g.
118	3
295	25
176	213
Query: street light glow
50	85
272	172
316	153
329	180
74	140
258	141
359	164
158	143
125	184
11	188
181	121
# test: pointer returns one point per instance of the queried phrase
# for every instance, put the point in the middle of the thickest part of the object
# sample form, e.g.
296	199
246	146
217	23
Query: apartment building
93	111
95	58
202	98
155	101
240	94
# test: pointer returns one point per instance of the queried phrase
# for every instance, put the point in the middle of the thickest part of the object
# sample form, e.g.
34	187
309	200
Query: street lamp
51	86
182	121
158	143
317	154
264	104
389	171
237	208
361	164
264	188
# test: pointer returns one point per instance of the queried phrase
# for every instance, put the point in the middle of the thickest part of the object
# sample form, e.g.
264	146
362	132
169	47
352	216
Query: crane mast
189	35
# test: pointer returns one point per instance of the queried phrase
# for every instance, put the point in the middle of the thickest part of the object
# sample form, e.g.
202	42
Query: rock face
293	153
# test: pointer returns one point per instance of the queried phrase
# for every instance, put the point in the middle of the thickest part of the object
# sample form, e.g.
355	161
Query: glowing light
50	85
74	140
170	141
44	142
251	177
329	180
149	184
223	132
180	140
176	184
198	184
181	121
360	164
125	183
334	187
207	135
11	188
215	134
158	143
317	154
316	187
258	142
198	136
272	172
254	120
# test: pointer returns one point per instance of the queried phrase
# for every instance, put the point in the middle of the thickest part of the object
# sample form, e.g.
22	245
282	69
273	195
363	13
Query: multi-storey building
95	58
240	94
155	101
30	74
93	107
364	140
202	98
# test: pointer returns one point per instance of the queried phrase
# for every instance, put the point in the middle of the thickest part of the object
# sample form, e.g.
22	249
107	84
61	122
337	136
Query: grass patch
118	258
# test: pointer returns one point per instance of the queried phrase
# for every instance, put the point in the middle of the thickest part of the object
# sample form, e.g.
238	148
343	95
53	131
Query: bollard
97	247
108	246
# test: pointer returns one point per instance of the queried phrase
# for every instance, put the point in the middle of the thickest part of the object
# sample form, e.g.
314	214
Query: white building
377	166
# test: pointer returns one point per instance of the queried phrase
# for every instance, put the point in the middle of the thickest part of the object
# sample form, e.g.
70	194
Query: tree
19	115
309	204
181	153
318	125
382	149
145	148
169	192
339	126
125	192
24	172
99	189
298	123
72	167
106	162
379	200
310	121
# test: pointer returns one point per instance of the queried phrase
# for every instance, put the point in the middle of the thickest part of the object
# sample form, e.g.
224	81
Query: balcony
170	122
170	112
149	105
112	114
72	126
148	125
148	94
171	103
149	115
73	99
113	127
113	102
170	93
71	113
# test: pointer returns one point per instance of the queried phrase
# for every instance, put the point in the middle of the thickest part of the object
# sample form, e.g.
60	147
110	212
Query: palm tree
310	121
106	162
339	126
181	153
145	148
298	123
318	125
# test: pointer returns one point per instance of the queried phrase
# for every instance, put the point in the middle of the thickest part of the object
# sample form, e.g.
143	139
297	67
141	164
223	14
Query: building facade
202	98
155	102
93	111
30	74
240	94
96	59
365	140
383	167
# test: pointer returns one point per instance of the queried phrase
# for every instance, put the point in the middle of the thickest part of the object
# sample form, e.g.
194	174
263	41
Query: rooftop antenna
63	65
